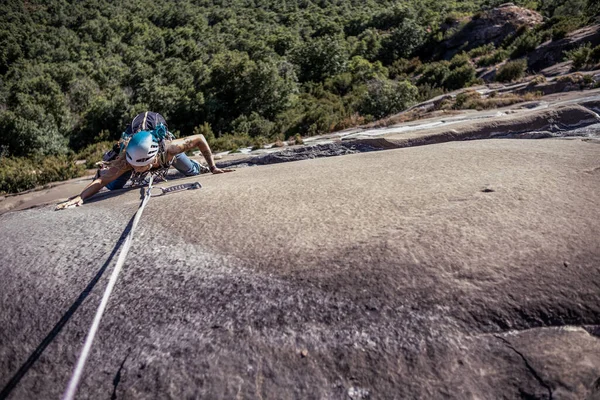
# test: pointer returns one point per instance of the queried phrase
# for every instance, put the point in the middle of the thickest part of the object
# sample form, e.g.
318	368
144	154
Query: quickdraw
178	188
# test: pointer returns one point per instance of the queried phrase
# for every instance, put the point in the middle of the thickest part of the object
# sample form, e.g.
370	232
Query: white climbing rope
76	377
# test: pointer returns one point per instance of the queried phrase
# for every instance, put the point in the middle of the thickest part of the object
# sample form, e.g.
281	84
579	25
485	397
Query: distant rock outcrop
562	121
552	52
491	26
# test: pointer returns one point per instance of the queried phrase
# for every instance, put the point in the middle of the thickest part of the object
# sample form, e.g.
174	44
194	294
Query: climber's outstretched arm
182	145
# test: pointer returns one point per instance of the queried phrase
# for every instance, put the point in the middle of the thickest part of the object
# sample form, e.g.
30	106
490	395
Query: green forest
242	72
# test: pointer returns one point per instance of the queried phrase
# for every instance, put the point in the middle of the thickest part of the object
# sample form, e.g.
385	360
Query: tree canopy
74	73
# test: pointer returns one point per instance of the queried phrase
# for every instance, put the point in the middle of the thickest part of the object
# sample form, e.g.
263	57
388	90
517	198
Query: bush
525	43
16	175
482	50
341	84
454	17
58	168
368	44
434	74
93	153
407	37
493	59
205	130
402	68
259	142
511	71
320	58
229	142
593	7
537	80
460	77
387	97
254	125
19	174
595	55
321	113
467	99
474	100
584	81
564	25
460	60
427	92
350	121
29	132
588	80
580	56
362	70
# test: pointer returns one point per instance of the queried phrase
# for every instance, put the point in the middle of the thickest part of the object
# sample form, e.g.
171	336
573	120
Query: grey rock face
391	274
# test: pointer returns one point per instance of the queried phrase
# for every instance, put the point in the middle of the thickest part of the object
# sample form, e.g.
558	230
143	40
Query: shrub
402	68
368	44
93	153
530	96
205	130
578	79
460	60
564	25
444	103
402	42
58	168
362	70
387	97
482	50
474	100
16	175
30	131
434	74
460	77
525	43
453	17
320	115
339	84
467	99
511	71
573	78
595	54
320	58
259	142
229	142
580	56
494	58
588	80
254	125
19	174
295	140
350	121
427	92
537	80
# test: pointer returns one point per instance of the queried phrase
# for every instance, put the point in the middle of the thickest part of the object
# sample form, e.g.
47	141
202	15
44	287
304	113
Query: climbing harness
77	372
139	178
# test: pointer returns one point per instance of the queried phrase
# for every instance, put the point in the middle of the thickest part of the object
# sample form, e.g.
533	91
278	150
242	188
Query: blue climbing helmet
146	144
142	148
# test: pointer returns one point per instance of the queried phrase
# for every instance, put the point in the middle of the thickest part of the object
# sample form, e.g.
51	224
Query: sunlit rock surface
456	270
